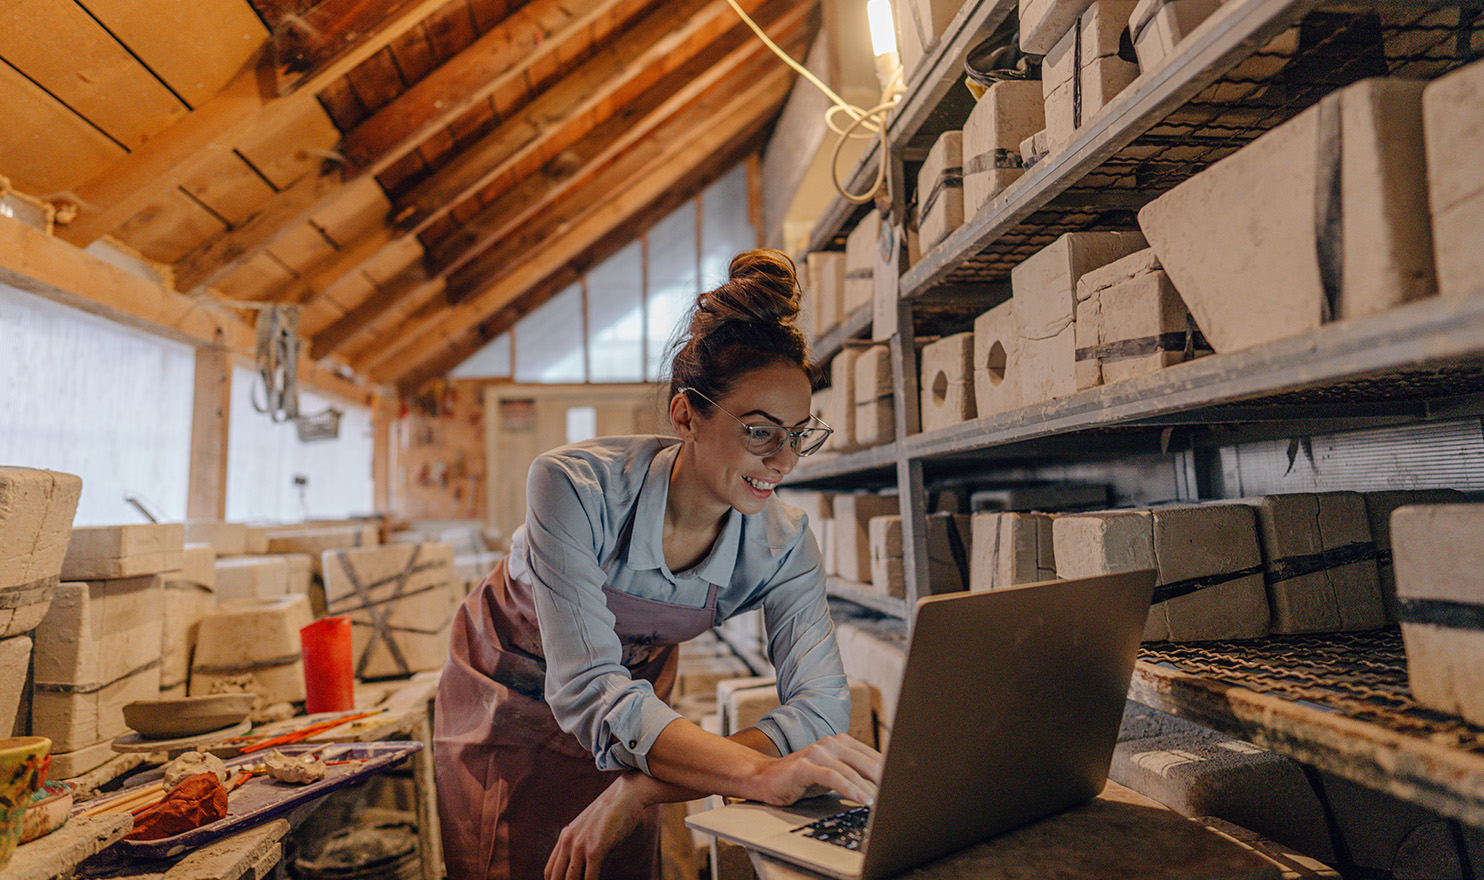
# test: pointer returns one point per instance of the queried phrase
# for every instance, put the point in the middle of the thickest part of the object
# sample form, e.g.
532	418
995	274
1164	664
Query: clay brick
123	551
1131	322
1045	297
860	264
1008	113
189	595
1308	594
853	513
996	365
874	417
36	511
1265	285
1010	549
940	190
842	398
226	538
947	394
1439	556
257	638
401	599
888	573
1098	71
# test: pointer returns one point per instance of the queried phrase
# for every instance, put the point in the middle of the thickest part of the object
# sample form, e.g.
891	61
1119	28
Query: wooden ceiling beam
334	266
563	114
246	107
752	108
410	283
781	19
431	105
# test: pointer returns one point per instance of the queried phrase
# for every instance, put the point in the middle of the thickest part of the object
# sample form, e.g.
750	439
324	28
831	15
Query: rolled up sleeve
814	697
590	691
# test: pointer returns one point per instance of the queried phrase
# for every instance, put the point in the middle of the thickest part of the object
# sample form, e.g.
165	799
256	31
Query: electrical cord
872	120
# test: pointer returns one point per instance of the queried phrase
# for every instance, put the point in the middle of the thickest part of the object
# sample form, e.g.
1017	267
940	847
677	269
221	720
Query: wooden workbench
1118	834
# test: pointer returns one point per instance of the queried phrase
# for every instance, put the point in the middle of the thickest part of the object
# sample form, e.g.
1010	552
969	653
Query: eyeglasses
764	440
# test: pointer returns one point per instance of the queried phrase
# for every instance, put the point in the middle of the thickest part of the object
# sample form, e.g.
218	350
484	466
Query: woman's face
777	394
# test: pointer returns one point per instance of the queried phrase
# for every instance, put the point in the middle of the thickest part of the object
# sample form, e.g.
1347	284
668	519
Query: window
548	341
490	362
582	423
615	308
673	282
88	396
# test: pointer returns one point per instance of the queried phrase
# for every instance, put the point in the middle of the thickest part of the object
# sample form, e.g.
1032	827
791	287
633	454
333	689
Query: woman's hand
588	839
839	763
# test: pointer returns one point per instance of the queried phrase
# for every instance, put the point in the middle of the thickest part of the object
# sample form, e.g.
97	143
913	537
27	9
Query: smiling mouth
760	485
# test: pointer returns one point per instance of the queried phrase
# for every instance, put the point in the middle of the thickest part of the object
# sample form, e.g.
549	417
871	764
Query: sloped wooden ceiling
415	175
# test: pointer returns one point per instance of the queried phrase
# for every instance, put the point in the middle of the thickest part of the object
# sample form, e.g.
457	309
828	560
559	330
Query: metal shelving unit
1339	703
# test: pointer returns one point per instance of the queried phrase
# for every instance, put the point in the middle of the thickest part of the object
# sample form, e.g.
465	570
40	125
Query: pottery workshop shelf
1337	702
865	595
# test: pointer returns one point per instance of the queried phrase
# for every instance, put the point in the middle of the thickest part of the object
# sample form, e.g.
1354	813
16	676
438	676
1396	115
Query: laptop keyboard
845	828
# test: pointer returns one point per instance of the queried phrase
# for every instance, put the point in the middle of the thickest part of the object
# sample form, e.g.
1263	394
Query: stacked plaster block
1008	113
400	599
947	394
316	541
15	664
919	23
97	649
36	510
123	551
1131	322
1439	556
1319	562
1289	273
875	651
826	272
996	361
948	544
1157	27
698	677
225	538
1453	119
258	537
842	398
853	514
874	421
189	595
257	639
743	702
1033	149
1044	22
251	577
1083	71
1378	508
1045	295
1010	549
861	247
1208	566
940	190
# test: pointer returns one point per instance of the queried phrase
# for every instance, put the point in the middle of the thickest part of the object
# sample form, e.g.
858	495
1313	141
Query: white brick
1453	122
1440	557
874	423
1100	73
1043	22
1158	26
1045	297
123	551
251	577
860	264
947	394
1303	525
996	363
853	513
226	538
413	585
1010	549
1265	284
940	190
1007	114
36	510
826	271
1132	328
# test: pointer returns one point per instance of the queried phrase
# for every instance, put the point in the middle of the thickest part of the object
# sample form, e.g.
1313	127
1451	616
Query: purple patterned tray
262	798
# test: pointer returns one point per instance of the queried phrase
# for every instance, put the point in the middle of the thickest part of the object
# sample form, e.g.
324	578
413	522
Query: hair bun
763	285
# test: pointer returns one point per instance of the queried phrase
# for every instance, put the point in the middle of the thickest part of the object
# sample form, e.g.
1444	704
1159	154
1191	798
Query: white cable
873	121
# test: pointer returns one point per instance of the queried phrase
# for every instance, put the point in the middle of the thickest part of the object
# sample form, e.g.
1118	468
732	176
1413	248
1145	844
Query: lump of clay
198	800
191	763
287	768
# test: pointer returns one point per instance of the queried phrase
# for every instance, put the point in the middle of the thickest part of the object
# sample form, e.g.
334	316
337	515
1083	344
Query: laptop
1009	710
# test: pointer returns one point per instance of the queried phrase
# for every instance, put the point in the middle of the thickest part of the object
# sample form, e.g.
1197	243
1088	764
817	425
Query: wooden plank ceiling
414	174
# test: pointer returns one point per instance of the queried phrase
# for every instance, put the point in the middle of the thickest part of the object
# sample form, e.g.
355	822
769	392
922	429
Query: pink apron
508	777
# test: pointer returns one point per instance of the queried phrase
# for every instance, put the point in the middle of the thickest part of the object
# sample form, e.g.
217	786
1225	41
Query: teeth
759	484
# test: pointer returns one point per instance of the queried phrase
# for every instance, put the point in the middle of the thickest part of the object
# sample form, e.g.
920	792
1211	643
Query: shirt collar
646	542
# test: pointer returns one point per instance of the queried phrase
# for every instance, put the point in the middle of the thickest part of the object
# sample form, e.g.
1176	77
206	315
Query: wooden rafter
410	284
398	128
672	162
244	109
659	117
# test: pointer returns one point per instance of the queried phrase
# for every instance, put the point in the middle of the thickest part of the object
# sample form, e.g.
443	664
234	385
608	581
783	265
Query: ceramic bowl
49	809
186	716
23	763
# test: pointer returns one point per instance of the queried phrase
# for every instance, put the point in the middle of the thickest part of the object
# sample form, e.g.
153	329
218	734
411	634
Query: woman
553	742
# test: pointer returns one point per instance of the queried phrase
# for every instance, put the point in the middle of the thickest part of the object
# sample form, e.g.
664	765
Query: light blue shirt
577	500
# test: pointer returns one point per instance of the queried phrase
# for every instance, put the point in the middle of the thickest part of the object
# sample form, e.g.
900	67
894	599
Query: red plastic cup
329	680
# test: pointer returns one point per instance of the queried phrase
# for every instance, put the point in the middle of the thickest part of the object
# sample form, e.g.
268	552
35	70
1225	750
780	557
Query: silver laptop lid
1009	711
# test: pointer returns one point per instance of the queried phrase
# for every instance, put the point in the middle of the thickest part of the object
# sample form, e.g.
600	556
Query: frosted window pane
673	283
582	423
91	397
615	317
726	229
263	457
490	362
548	341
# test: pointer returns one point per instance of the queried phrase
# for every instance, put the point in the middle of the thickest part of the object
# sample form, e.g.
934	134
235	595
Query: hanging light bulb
884	45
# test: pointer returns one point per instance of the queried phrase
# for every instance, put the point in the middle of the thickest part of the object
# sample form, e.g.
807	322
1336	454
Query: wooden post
383	415
210	418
